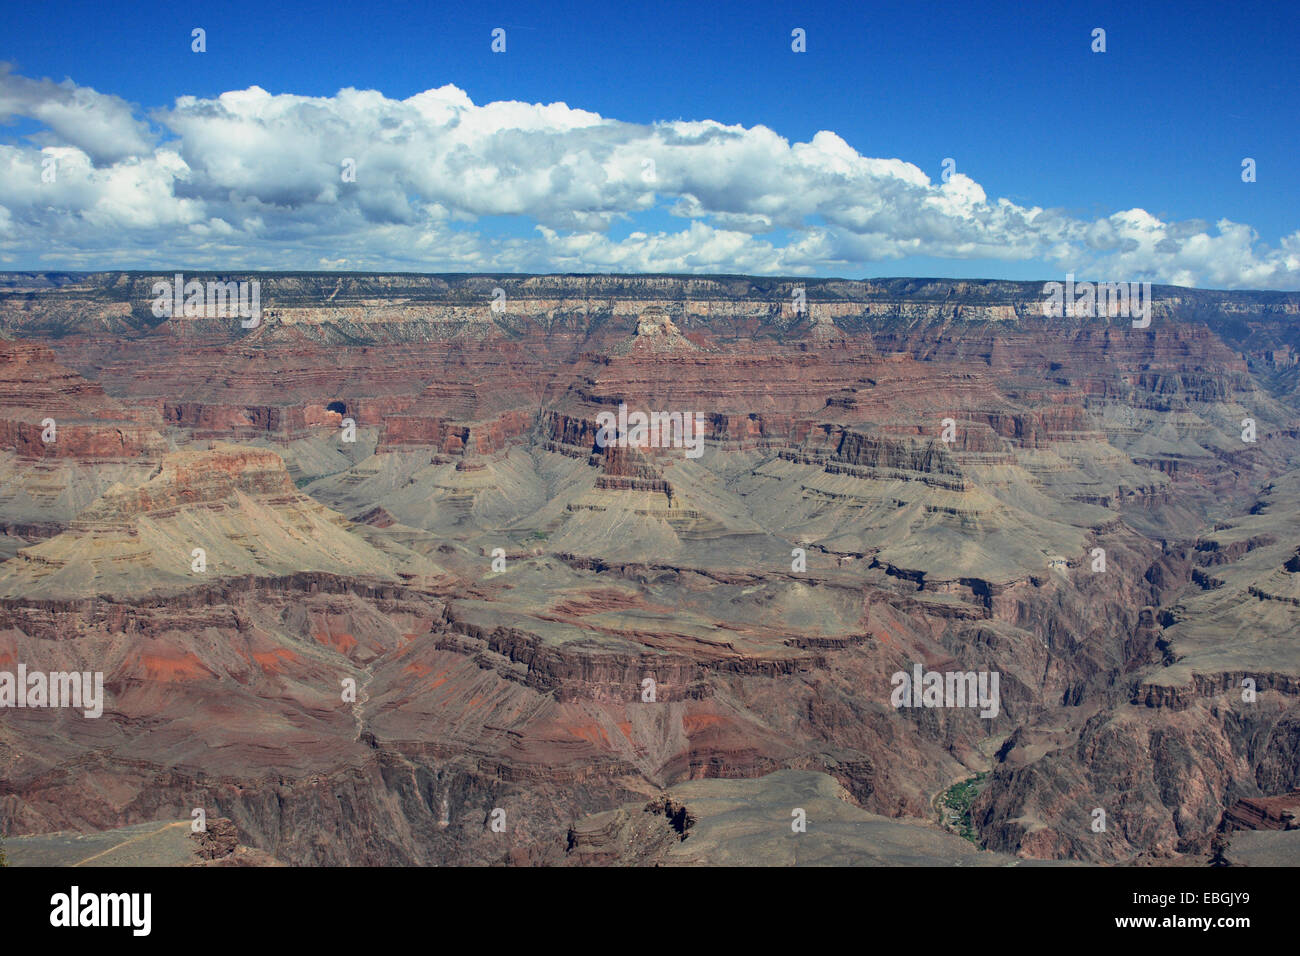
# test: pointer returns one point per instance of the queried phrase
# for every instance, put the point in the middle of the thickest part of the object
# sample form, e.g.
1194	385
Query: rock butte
371	561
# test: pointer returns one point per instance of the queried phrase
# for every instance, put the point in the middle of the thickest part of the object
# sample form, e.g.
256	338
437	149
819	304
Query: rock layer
480	604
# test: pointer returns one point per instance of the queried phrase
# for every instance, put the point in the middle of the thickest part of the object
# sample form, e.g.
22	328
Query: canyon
366	584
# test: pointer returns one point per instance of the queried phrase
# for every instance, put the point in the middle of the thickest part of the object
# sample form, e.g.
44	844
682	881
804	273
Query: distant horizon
687	276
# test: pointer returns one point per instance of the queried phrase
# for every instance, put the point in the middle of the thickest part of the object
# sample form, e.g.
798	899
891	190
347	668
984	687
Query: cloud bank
256	180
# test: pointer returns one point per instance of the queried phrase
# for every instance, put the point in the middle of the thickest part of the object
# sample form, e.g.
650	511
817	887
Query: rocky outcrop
48	411
478	606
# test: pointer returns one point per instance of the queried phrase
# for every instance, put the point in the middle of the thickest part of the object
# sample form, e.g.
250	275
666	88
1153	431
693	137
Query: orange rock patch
342	642
171	670
271	661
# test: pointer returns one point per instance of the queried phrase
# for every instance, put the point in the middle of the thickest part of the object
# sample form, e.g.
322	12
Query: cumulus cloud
104	127
253	179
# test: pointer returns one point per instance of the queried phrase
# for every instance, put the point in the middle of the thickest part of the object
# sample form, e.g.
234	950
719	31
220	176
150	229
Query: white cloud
251	178
103	127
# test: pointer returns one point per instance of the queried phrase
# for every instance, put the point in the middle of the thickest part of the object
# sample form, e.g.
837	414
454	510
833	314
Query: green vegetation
3	860
956	802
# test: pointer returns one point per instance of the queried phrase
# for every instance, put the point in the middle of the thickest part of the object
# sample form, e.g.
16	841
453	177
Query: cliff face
905	472
87	425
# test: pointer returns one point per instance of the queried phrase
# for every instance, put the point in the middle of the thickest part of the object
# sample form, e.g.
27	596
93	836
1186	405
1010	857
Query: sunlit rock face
397	483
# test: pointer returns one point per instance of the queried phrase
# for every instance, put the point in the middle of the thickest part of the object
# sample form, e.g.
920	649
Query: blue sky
1013	93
